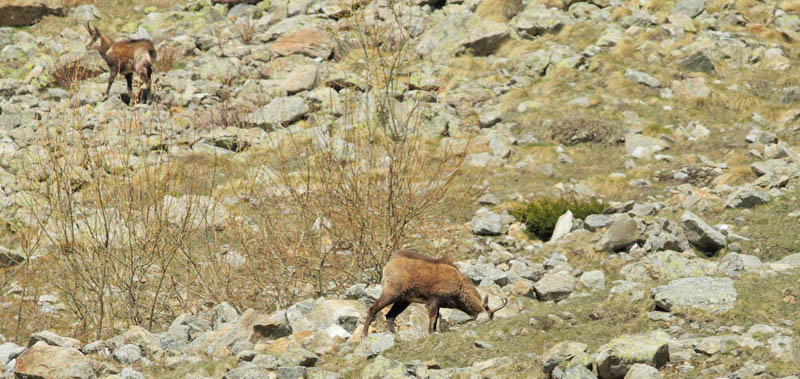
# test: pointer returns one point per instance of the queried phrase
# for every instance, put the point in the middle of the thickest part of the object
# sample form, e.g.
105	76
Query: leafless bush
330	206
113	245
246	31
68	74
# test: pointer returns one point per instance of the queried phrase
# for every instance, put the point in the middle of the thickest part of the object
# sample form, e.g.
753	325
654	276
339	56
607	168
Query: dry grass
68	75
499	10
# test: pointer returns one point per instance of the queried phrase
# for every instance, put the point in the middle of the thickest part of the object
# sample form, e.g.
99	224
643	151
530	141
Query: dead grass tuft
69	74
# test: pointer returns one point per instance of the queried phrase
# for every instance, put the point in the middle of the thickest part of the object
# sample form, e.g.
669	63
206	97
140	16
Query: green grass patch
540	215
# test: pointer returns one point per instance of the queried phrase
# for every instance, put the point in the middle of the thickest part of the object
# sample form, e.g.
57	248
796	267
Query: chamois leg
398	307
111	76
433	315
382	302
129	79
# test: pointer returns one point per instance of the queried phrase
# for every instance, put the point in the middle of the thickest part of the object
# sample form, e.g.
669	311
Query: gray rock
704	292
643	371
483	271
615	358
667	265
300	79
9	351
53	339
535	21
319	314
642	78
698	62
381	367
246	372
458	32
487	223
127	354
761	137
223	314
578	372
643	147
85	13
783	348
294	372
692	88
561	352
10	258
555	286
521	270
563	226
488	199
281	111
747	197
624	232
490	118
594	222
595	280
557	262
734	264
129	373
298	357
484	159
377	343
792	260
690	8
702	236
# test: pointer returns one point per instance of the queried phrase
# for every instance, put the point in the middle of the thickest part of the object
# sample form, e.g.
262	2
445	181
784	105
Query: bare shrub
67	75
575	129
112	243
168	58
246	31
328	206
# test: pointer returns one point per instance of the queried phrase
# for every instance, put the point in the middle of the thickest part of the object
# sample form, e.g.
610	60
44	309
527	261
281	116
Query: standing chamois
126	57
410	277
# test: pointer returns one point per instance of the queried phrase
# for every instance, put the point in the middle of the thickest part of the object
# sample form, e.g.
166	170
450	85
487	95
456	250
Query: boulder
701	235
703	292
615	358
555	286
486	223
621	234
45	361
643	371
560	353
747	197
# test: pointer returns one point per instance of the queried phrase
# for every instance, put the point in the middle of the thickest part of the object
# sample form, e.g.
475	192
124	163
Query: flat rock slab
703	292
27	12
44	361
310	41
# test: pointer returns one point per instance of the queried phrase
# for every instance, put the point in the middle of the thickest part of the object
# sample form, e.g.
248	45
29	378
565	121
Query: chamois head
94	34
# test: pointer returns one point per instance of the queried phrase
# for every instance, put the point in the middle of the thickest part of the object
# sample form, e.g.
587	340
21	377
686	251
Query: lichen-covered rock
320	313
561	352
621	234
667	265
384	368
615	358
643	371
704	292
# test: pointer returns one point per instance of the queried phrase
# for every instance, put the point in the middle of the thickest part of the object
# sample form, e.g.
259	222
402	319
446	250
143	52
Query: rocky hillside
236	226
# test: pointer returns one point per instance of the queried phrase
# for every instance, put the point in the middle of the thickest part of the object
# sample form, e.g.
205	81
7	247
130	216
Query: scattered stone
595	280
690	8
702	236
563	226
486	223
561	352
643	371
783	348
554	286
311	42
622	233
642	78
127	354
10	258
747	197
615	358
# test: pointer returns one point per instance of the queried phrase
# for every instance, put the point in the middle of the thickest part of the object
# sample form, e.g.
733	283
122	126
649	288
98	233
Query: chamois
410	277
126	57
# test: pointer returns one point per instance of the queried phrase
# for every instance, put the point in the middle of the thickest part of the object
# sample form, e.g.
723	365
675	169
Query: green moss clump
540	215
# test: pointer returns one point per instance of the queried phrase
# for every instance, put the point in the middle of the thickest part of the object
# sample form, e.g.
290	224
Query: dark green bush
540	215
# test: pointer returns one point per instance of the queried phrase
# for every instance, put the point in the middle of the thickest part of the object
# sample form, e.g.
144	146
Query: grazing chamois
410	277
126	57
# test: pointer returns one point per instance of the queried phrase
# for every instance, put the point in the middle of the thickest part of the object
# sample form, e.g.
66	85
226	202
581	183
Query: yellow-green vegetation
540	215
